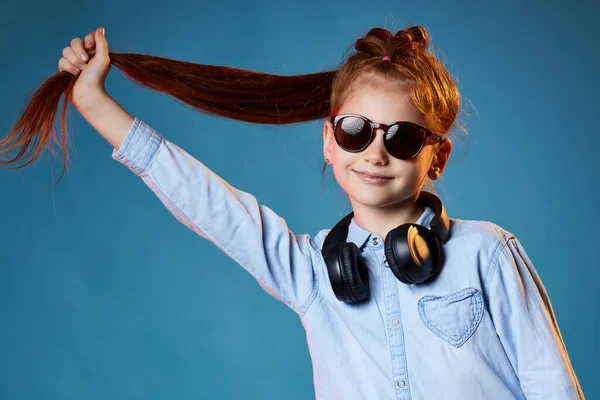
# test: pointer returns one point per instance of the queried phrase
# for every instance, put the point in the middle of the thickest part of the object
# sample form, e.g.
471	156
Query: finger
89	41
65	65
77	46
70	55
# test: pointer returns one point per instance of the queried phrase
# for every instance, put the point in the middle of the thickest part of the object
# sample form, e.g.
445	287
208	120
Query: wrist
92	98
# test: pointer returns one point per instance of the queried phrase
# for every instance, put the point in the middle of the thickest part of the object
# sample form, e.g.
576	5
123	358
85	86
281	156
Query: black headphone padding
413	252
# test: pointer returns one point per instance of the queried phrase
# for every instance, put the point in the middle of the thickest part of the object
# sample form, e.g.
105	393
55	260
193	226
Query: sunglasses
402	139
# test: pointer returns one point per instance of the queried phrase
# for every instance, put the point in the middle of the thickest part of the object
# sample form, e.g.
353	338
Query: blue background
104	294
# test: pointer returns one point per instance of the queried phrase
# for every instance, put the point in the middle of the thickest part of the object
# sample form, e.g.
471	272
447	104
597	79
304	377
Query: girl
398	300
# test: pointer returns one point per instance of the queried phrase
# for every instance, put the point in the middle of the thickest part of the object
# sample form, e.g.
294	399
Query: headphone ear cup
397	253
348	273
413	253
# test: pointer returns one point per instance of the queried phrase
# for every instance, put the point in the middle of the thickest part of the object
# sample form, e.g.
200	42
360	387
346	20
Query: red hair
259	97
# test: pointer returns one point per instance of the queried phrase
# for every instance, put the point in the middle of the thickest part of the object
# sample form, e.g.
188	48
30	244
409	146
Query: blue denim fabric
484	329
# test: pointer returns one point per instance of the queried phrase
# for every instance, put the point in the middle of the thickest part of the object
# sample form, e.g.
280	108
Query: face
408	176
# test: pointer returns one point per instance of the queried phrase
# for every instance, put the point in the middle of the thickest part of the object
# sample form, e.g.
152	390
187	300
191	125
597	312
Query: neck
381	220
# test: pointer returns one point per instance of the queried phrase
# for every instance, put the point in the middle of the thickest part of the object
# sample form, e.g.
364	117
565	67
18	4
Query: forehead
382	103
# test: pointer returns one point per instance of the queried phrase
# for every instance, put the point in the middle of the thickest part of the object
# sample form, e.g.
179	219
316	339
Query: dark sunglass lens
352	133
403	141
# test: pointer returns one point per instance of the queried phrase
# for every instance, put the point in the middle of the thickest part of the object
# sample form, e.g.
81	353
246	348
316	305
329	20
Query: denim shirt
483	329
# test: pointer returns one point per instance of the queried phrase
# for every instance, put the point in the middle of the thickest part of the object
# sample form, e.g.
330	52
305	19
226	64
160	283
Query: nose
376	153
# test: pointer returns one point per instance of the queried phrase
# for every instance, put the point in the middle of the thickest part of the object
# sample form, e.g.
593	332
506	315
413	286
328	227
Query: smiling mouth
373	176
370	180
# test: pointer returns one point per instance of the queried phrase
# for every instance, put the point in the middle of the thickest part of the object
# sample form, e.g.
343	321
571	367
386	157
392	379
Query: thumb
101	44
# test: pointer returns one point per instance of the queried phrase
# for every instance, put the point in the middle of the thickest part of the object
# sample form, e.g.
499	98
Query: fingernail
83	57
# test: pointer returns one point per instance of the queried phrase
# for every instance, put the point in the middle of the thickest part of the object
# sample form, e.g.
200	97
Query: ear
441	159
444	153
328	140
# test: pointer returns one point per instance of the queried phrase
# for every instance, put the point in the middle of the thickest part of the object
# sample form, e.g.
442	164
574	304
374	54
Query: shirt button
375	241
394	321
401	384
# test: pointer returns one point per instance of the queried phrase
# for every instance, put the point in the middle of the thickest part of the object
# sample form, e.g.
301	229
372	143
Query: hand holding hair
89	60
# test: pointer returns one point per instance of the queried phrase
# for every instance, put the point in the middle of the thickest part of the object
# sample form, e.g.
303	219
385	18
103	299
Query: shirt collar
360	236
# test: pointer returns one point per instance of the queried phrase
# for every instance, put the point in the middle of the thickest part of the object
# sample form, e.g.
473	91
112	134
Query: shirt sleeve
251	234
525	323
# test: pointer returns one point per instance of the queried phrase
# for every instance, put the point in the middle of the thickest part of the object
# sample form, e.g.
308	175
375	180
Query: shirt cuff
139	147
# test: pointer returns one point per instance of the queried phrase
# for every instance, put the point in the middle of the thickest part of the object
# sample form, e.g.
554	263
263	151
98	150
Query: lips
373	175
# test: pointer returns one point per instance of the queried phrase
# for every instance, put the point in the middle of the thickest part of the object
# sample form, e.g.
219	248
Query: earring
327	161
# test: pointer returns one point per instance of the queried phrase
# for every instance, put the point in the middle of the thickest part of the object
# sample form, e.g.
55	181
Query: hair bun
383	34
374	42
415	37
380	42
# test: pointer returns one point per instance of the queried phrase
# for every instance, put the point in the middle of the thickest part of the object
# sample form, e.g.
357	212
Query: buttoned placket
393	317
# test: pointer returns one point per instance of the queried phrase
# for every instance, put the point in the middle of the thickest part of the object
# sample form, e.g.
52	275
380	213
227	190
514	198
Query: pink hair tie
386	58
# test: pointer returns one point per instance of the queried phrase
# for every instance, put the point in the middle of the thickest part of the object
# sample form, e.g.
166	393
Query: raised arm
107	116
251	234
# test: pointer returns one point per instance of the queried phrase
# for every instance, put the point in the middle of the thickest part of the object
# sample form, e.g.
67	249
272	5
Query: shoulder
319	238
481	238
479	242
479	233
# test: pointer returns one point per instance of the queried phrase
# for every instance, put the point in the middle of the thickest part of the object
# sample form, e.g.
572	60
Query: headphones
413	252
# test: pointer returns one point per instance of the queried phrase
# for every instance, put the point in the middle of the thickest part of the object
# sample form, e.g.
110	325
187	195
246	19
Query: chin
374	199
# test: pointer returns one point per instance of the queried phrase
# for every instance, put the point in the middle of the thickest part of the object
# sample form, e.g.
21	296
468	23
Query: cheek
415	172
343	161
342	168
339	171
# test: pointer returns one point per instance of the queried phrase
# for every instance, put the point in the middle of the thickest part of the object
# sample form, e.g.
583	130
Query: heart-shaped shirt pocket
453	318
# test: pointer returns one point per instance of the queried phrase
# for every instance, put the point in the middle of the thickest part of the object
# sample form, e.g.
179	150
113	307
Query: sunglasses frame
335	119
